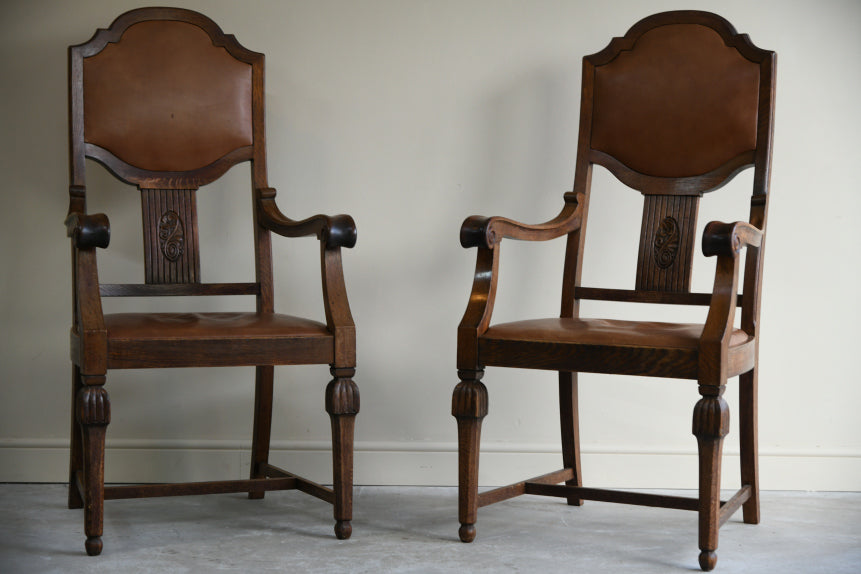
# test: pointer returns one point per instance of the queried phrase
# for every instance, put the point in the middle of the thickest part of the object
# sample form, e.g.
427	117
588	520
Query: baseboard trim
426	463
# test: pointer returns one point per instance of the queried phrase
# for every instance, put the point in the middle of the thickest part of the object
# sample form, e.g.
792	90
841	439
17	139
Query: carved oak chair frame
168	102
672	139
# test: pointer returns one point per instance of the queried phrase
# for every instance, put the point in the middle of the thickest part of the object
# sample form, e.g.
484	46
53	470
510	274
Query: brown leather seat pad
606	332
185	326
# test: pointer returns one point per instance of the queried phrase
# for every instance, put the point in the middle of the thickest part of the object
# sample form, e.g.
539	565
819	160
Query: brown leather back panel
680	103
165	99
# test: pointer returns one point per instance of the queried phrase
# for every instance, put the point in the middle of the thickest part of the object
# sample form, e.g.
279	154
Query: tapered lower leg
75	448
748	437
262	424
570	426
469	407
94	415
342	404
710	426
94	486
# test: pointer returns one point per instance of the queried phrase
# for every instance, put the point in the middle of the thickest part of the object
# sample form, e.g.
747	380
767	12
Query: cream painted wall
411	115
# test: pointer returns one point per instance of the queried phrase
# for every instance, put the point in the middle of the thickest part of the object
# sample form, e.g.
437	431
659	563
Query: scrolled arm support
88	231
478	231
724	240
333	230
728	239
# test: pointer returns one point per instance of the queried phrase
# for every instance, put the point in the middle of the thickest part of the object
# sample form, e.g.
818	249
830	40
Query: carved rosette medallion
171	235
666	243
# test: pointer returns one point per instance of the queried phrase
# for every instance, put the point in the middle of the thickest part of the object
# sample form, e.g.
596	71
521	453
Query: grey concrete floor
411	529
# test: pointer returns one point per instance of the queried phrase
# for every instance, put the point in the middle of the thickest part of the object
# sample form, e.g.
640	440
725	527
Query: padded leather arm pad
729	238
88	231
333	230
478	231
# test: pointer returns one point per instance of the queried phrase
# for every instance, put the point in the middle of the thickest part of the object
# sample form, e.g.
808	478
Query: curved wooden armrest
332	230
337	307
88	231
478	231
725	240
729	238
476	318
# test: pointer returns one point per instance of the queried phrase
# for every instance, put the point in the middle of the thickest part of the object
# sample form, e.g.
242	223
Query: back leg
76	463
262	424
748	436
570	425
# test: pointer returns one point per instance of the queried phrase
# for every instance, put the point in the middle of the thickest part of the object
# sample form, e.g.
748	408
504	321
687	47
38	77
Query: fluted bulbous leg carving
93	412
710	426
342	404
94	406
469	407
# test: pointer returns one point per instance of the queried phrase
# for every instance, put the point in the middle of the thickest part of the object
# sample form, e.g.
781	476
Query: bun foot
343	529
708	560
93	545
467	532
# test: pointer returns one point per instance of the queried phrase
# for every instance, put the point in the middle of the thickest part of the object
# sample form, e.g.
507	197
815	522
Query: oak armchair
674	109
167	102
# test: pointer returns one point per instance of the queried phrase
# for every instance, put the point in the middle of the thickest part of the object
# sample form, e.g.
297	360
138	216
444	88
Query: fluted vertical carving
342	394
667	242
469	398
711	418
94	406
171	245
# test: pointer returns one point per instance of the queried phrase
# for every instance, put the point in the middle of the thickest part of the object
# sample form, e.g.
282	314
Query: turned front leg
94	415
710	426
342	404
469	407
